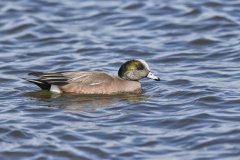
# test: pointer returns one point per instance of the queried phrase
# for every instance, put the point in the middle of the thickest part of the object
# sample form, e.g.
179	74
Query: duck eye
140	66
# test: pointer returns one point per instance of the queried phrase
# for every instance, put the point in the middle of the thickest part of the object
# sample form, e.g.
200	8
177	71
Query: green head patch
130	66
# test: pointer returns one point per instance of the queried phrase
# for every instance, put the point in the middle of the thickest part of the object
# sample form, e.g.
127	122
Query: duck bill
152	76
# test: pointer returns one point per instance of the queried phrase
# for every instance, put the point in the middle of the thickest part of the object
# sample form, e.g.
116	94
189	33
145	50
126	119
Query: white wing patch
92	84
144	63
55	88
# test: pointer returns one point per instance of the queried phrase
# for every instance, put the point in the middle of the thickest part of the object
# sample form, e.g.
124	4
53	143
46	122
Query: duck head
135	70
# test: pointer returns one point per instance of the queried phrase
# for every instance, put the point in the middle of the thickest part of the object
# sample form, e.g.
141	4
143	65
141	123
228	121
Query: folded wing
45	80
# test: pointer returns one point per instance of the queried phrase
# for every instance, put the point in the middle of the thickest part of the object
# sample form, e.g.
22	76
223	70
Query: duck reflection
76	102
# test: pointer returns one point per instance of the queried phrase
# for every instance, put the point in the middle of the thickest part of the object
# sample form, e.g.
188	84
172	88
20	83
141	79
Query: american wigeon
95	82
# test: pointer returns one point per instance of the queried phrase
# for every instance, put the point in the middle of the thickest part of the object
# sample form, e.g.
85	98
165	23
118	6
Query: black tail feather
43	85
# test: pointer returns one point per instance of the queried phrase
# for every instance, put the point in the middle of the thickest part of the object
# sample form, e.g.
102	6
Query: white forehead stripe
144	63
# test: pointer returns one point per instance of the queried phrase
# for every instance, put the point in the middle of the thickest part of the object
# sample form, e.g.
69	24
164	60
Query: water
192	114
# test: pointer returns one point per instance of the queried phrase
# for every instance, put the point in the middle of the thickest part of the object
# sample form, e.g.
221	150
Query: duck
95	82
